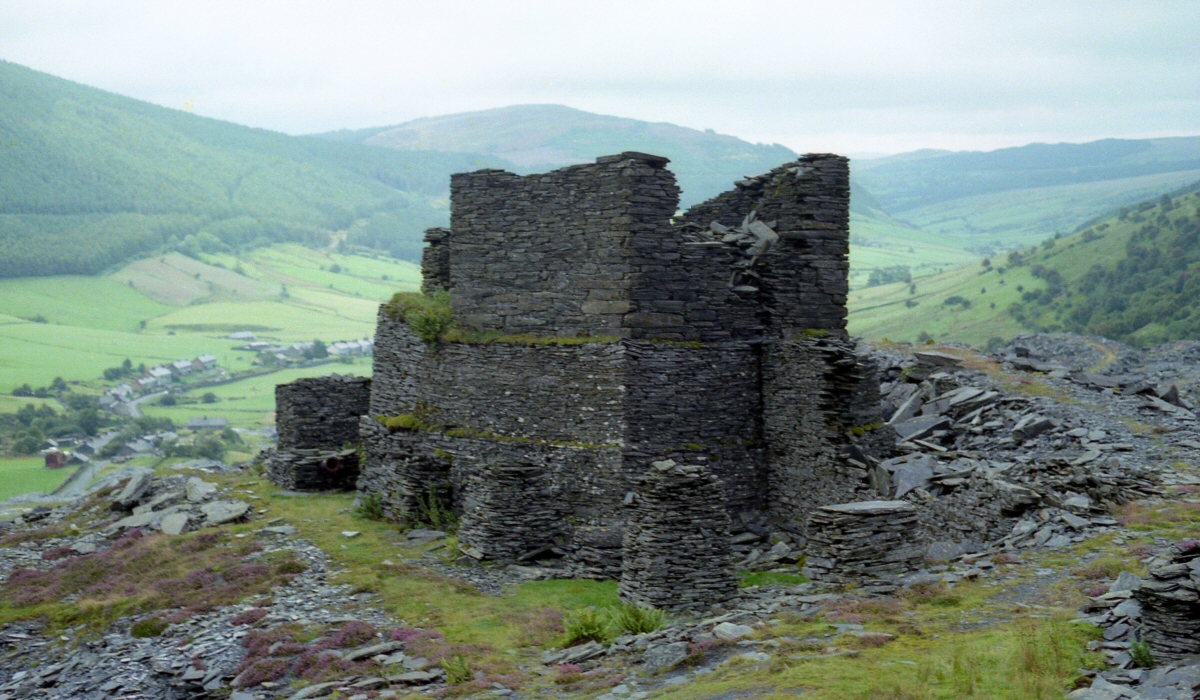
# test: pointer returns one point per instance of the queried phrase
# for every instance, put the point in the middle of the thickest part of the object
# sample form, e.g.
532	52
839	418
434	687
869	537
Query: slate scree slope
610	341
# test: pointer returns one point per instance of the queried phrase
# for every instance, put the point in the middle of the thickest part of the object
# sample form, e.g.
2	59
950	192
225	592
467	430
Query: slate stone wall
681	290
320	412
676	550
589	483
804	429
870	542
314	470
699	403
316	418
549	253
682	367
563	393
435	261
805	275
508	513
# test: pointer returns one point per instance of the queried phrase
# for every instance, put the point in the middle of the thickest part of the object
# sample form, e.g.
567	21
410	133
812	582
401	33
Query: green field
879	241
26	474
880	312
250	403
1022	217
188	307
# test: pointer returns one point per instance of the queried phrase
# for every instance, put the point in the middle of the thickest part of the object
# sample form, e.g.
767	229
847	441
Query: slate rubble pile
676	544
986	466
1161	610
198	656
868	542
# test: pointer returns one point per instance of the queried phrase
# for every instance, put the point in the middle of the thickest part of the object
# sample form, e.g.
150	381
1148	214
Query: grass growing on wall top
430	317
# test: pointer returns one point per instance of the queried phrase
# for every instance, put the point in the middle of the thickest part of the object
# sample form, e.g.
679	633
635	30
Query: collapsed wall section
803	278
435	261
548	254
806	383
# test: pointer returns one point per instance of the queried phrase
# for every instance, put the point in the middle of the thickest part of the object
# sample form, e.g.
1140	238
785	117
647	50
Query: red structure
55	459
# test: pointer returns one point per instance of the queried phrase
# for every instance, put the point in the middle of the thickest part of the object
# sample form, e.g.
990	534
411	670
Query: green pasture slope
28	474
1135	278
250	403
85	324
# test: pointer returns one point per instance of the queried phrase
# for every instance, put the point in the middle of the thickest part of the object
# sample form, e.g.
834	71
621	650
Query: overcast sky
853	77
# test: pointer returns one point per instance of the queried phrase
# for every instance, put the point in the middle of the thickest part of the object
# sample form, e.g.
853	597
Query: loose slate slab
175	523
135	488
220	512
199	490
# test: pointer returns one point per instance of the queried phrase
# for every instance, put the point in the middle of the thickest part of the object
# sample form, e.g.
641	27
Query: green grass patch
29	474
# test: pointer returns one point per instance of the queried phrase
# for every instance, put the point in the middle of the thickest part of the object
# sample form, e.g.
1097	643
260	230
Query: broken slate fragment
220	512
663	656
199	490
135	488
175	523
730	632
923	426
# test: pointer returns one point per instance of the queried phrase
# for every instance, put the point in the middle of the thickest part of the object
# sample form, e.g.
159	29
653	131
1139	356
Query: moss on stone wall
428	315
431	319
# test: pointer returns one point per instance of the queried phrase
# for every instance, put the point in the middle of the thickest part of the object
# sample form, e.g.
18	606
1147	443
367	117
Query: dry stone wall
320	412
805	425
805	275
589	483
700	403
508	513
620	338
317	419
547	253
677	552
562	393
869	542
314	470
435	261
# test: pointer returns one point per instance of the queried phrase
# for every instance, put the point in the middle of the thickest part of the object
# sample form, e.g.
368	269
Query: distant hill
1134	277
538	138
1015	196
89	179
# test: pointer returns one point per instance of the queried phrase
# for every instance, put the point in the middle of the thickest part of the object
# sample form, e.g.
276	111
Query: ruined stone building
599	331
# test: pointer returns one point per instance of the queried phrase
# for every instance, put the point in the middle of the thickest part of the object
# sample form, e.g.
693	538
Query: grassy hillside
542	137
178	307
1135	278
89	179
